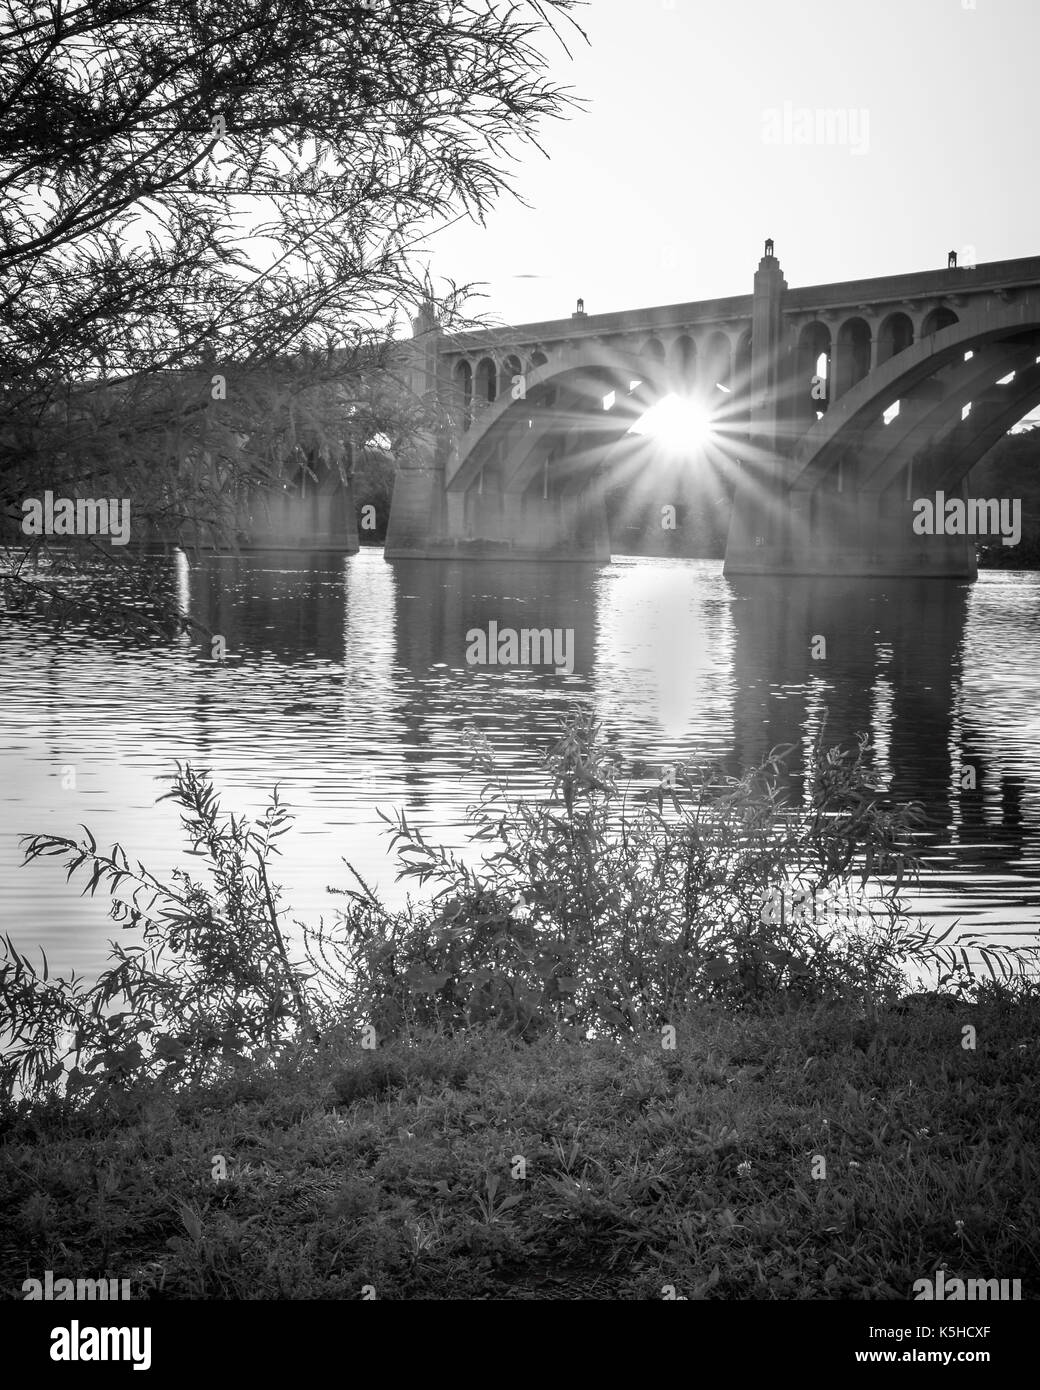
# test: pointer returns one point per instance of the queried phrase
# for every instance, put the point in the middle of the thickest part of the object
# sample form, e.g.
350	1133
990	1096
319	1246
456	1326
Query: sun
677	423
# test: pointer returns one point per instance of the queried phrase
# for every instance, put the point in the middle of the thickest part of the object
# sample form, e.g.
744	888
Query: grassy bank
652	1046
645	1167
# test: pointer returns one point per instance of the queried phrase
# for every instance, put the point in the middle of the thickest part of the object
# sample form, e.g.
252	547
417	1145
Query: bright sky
666	187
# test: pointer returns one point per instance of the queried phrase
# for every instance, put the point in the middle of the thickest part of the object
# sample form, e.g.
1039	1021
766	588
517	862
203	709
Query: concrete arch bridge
829	410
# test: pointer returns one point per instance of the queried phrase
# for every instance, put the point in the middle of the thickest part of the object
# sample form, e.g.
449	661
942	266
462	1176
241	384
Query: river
346	682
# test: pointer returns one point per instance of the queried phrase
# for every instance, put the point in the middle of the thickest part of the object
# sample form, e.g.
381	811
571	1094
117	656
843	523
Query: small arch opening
896	335
486	388
464	391
938	319
684	362
813	372
718	360
853	356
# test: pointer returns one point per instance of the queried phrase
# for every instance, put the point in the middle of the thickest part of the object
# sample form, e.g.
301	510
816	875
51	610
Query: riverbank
813	1154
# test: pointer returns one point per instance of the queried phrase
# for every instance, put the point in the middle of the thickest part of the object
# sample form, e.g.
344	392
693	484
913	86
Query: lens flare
677	423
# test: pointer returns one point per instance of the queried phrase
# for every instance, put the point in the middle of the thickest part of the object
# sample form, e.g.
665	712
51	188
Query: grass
644	1168
642	1052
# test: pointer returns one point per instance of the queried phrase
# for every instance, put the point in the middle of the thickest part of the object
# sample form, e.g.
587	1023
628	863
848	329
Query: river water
346	682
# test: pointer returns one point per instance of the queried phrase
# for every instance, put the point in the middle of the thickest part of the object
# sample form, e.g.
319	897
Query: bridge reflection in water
347	682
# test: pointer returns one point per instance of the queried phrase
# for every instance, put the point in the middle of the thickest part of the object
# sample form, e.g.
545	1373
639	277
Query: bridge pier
324	519
310	517
416	508
780	530
430	522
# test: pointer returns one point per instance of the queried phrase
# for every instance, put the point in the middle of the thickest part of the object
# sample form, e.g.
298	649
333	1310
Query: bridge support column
454	515
417	510
856	532
585	509
760	522
416	513
311	518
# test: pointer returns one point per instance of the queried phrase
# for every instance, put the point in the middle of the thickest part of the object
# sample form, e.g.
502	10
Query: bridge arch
1010	335
463	390
486	381
564	398
852	356
811	388
684	362
895	335
717	359
738	417
968	440
742	360
934	406
937	318
512	368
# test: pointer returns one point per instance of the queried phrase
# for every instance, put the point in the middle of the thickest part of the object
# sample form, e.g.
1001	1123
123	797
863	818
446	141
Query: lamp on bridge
580	311
769	245
951	261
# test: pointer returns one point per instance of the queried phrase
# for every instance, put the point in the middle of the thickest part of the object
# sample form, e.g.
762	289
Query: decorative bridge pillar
759	524
417	510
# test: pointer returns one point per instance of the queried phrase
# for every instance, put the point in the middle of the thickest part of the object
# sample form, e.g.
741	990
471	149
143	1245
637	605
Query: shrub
210	983
600	912
594	911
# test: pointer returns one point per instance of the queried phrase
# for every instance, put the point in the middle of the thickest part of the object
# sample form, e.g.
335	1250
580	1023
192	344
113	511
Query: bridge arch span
934	407
586	375
967	441
1009	328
